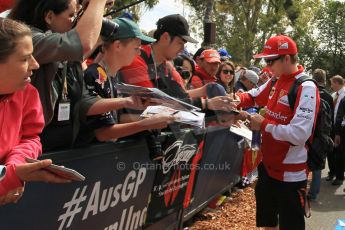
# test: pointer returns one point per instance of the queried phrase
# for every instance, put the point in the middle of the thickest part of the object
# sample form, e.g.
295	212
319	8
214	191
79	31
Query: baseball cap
176	25
210	56
129	29
224	53
278	45
251	76
257	70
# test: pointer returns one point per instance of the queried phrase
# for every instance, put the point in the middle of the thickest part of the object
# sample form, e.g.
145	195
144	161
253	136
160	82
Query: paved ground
329	206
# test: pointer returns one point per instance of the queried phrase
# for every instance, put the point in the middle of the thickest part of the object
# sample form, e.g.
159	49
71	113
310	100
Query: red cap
210	56
278	45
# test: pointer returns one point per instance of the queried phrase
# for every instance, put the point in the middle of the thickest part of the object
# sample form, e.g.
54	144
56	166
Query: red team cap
278	45
210	56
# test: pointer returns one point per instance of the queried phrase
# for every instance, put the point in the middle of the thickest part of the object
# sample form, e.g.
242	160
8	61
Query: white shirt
341	93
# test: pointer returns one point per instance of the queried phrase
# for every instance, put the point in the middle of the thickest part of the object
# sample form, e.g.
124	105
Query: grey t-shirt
53	50
50	49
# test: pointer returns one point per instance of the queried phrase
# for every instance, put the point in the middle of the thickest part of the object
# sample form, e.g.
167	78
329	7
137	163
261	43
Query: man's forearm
106	105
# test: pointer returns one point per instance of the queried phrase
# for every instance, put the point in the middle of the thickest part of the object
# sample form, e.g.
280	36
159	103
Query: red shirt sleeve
136	73
196	82
29	144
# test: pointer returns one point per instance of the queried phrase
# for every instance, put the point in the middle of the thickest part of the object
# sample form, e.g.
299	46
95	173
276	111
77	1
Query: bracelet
206	103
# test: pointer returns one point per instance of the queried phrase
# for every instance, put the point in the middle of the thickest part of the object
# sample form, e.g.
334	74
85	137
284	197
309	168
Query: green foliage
330	55
243	26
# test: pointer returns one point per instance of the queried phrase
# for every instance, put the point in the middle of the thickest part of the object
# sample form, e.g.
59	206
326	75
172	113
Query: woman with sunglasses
225	76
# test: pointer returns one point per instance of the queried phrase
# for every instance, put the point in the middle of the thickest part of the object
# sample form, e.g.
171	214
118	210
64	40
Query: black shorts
279	202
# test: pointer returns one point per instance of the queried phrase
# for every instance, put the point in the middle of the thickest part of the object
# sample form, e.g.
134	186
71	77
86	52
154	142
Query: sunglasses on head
269	62
227	71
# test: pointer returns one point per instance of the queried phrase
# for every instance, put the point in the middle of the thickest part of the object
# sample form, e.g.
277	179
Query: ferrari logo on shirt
282	93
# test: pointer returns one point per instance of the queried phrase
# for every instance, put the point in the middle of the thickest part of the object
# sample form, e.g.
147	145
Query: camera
108	29
185	74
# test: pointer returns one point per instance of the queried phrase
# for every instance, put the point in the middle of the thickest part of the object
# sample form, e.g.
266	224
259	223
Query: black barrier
220	167
175	176
120	182
114	195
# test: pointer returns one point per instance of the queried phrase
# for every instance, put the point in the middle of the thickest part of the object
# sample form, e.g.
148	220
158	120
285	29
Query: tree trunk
209	11
208	20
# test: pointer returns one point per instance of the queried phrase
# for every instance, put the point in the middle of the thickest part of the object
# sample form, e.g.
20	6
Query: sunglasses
227	71
269	62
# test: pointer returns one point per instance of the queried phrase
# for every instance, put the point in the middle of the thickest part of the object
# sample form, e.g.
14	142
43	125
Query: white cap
251	76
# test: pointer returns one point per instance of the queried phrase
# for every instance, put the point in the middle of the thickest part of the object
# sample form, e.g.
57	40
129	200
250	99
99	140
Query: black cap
176	25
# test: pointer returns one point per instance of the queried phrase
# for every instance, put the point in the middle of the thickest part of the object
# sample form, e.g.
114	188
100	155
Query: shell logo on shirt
283	97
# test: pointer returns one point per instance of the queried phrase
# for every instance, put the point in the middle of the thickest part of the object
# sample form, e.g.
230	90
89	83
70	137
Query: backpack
322	142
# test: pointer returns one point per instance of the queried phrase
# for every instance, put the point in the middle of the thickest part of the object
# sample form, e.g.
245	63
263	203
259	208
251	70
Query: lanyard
64	89
154	65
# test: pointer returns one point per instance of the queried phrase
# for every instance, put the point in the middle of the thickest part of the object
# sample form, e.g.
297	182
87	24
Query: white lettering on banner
183	154
101	200
70	213
134	220
169	187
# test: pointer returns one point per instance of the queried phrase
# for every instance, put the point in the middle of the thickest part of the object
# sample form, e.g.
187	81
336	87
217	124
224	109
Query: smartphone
61	171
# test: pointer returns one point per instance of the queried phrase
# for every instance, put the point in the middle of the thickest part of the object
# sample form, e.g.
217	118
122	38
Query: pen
175	112
194	113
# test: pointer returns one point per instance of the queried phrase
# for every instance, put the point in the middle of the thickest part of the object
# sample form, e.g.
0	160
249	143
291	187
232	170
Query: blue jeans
315	184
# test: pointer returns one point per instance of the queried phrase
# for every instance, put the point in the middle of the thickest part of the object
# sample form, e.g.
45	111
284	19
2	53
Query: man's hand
157	121
226	120
137	103
243	115
256	121
223	103
36	172
12	196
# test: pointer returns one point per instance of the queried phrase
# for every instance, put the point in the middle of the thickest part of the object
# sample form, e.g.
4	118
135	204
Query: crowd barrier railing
125	189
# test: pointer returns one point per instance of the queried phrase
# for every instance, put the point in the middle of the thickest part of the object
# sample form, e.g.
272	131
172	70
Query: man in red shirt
205	71
153	67
280	190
